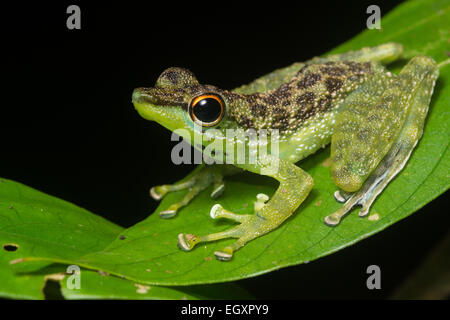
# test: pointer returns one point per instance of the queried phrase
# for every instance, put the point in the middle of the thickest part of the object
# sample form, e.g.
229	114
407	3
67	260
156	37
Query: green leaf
94	285
36	229
35	224
41	225
20	286
423	27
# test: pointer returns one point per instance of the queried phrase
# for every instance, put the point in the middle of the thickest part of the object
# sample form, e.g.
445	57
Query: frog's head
179	101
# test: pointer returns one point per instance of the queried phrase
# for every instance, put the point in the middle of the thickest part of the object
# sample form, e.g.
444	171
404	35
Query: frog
371	117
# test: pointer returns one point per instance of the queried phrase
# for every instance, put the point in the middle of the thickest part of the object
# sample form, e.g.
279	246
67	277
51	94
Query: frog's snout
152	96
141	101
146	98
155	104
137	96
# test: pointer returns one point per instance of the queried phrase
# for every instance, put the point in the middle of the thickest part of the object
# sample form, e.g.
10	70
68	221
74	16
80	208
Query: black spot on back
308	80
284	92
324	102
286	102
333	84
279	111
306	98
333	71
259	109
270	99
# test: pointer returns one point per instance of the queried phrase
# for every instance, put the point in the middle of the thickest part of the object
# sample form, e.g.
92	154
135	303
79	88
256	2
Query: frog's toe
167	214
217	211
260	202
225	254
171	211
366	207
332	220
187	241
341	196
250	226
363	198
218	191
158	192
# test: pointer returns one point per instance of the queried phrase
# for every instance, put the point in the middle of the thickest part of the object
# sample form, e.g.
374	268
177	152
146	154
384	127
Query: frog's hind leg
342	196
412	91
200	180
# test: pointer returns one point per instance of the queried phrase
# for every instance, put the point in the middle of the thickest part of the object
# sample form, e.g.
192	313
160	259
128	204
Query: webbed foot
249	224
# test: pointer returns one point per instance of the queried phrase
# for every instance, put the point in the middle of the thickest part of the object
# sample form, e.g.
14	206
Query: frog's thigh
374	137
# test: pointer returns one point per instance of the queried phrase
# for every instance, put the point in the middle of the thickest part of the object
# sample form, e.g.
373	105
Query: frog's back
314	89
304	108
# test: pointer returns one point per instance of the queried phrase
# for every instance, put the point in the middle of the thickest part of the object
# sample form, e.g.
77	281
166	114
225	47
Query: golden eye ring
207	109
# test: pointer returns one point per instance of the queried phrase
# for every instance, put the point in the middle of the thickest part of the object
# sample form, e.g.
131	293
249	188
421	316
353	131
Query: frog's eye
207	110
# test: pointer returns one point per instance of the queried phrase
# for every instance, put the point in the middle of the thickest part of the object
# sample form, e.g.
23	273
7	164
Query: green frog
372	118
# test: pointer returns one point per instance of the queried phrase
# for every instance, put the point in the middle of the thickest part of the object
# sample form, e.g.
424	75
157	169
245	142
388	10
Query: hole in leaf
11	247
52	290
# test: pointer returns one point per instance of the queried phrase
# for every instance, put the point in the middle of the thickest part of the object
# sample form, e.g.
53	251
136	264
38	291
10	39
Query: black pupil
207	110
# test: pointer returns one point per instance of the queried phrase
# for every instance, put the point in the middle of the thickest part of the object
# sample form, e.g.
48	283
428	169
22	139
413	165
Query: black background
69	129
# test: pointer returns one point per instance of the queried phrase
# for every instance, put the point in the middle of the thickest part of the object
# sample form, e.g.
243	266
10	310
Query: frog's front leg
201	179
295	185
375	136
